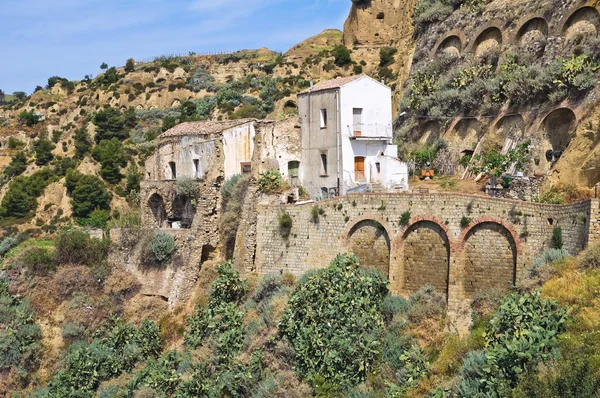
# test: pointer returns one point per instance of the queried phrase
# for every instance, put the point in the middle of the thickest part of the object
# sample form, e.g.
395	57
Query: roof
335	83
206	127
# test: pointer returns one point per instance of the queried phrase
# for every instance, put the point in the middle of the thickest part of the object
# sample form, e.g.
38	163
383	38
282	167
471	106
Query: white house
346	128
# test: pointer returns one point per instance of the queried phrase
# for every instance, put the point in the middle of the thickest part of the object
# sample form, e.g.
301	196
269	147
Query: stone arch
510	126
466	133
451	45
532	35
488	40
489	250
182	211
558	126
370	241
429	132
176	103
156	204
583	21
425	256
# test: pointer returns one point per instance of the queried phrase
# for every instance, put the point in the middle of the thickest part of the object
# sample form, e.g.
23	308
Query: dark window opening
323	118
197	168
246	167
323	165
173	168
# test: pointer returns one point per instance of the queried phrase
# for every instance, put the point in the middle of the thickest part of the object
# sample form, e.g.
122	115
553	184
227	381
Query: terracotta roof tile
331	84
203	128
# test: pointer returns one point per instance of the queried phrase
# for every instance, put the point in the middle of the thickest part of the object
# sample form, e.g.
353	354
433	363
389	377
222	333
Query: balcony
375	132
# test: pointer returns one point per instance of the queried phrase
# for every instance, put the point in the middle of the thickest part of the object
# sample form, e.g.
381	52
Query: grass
15	251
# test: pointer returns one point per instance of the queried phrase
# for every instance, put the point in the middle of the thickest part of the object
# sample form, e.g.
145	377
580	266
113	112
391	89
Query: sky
71	38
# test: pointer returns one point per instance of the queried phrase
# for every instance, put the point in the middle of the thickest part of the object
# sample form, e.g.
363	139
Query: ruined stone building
347	138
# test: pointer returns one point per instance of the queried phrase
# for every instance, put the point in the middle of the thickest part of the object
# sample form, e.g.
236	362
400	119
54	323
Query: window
323	118
197	168
357	121
173	168
246	167
323	165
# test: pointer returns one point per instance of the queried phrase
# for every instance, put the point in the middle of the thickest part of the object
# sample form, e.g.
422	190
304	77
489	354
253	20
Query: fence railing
371	130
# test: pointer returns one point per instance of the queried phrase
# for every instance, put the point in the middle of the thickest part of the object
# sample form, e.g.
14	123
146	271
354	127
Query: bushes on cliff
112	157
74	247
17	165
88	193
82	141
521	333
20	337
158	247
340	308
43	151
21	198
112	123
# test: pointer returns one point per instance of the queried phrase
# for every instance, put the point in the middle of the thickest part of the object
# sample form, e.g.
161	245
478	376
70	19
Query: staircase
376	187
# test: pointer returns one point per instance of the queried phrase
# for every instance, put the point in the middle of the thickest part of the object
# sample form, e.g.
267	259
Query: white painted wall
238	146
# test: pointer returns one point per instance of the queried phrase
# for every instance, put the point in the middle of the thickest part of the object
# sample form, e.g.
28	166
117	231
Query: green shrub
405	218
556	242
111	155
129	65
38	261
186	186
73	332
386	56
522	332
20	336
285	224
112	123
550	256
269	285
315	212
394	305
590	258
430	11
88	193
76	248
269	181
83	143
229	287
464	222
29	118
7	243
341	55
339	307
97	219
43	151
17	165
159	246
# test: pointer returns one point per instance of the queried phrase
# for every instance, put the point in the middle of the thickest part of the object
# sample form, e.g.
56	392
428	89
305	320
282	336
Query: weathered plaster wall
502	238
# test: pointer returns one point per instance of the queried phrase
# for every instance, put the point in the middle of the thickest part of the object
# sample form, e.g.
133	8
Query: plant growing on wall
285	224
269	181
159	246
464	222
494	163
557	240
186	186
405	218
315	212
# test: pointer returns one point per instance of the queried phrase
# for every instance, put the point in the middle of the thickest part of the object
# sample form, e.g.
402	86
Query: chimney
382	80
311	83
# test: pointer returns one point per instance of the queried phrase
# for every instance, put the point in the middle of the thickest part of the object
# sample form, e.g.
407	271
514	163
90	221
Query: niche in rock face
558	127
182	211
532	36
488	41
451	45
429	132
583	22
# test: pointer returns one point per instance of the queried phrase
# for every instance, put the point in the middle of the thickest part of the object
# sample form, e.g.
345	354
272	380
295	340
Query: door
357	121
359	169
293	167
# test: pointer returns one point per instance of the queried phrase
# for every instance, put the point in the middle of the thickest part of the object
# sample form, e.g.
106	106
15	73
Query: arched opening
583	22
429	132
426	257
370	242
488	41
452	45
290	107
466	134
558	127
157	207
182	212
511	126
176	104
490	254
532	36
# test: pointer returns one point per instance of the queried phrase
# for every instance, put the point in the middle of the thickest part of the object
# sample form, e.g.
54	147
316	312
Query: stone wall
497	239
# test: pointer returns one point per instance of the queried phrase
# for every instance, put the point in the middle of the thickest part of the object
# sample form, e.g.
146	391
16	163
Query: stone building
347	133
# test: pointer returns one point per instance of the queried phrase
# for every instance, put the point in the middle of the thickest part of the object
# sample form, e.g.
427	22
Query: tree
38	88
494	163
104	66
29	118
110	123
168	123
134	177
112	157
341	55
20	95
17	165
43	151
89	193
2	97
54	80
82	142
129	65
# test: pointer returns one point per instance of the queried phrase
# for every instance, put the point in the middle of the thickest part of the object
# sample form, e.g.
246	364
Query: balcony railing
371	130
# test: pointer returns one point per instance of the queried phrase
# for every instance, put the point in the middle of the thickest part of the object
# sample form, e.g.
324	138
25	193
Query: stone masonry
501	238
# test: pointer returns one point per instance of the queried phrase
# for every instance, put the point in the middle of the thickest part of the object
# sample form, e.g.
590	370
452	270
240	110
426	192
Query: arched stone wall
583	21
487	41
370	242
426	257
451	45
510	126
156	204
489	251
532	35
465	134
429	132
